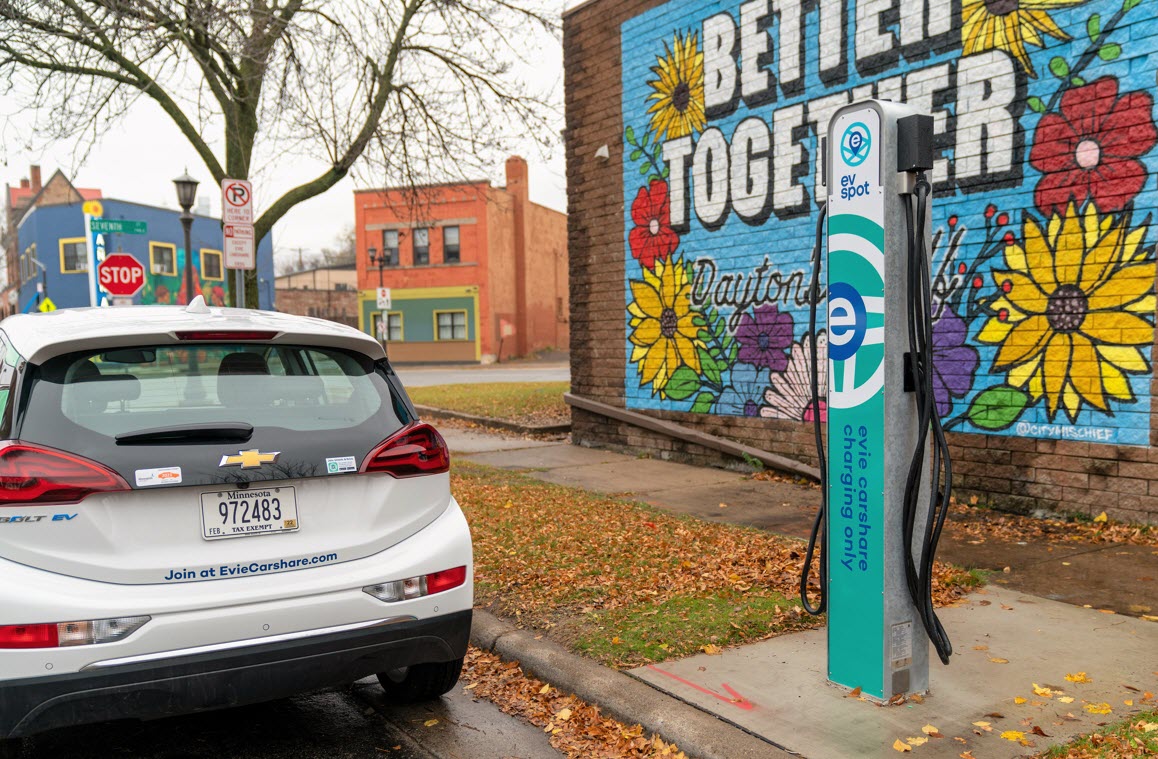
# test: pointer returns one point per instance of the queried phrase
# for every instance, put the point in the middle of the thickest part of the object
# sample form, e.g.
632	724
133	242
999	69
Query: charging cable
919	573
819	526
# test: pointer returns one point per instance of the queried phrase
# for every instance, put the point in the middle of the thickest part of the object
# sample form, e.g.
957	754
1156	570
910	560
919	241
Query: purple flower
954	362
764	337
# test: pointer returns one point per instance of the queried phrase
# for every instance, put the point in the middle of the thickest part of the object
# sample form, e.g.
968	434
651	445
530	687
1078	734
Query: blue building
54	236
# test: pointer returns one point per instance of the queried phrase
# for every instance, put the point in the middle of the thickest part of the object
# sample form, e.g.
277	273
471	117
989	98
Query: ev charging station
882	442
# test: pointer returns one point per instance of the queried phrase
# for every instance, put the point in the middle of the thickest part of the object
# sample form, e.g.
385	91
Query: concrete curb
487	421
695	732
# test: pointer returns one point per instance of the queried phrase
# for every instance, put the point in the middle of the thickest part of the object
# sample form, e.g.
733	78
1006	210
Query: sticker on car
166	475
341	464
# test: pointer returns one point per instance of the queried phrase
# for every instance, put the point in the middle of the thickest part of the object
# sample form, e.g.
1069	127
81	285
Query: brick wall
335	305
1036	422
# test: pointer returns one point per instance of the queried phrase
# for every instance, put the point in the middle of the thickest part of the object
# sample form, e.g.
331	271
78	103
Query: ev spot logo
855	144
847	321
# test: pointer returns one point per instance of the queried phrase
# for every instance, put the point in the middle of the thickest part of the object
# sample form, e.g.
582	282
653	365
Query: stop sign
121	274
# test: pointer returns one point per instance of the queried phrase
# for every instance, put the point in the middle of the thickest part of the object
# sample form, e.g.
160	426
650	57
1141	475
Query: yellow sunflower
1009	25
663	335
1074	315
678	109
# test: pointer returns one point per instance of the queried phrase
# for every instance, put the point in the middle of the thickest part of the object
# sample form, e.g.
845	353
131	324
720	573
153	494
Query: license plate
242	513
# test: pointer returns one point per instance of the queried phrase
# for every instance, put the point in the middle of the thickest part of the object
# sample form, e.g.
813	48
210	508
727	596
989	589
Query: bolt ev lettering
37	518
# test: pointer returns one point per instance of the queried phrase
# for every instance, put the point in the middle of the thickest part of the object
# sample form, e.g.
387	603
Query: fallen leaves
576	728
900	745
1013	735
998	660
1078	677
712	650
984	524
1043	691
430	723
1099	708
530	403
929	730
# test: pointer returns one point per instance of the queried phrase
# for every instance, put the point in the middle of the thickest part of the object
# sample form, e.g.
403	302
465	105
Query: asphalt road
424	375
329	724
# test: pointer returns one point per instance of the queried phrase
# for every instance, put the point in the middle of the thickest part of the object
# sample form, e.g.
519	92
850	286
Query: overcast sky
138	159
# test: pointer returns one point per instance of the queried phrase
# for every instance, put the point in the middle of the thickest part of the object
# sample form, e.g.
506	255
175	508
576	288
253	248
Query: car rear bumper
218	679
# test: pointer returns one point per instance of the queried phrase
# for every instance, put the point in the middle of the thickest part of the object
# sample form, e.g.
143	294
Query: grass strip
523	402
628	584
1133	737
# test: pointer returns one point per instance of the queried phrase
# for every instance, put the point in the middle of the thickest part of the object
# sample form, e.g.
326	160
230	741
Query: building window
390	247
163	259
451	253
450	325
73	256
28	270
393	330
421	246
211	265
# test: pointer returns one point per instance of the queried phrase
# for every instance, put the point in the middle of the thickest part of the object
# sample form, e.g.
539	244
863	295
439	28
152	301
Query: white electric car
203	507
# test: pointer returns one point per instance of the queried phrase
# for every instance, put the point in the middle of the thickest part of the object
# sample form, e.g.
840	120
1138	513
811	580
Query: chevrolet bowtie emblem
250	459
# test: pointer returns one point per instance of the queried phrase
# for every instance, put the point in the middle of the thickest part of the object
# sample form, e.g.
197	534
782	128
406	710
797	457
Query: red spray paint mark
736	699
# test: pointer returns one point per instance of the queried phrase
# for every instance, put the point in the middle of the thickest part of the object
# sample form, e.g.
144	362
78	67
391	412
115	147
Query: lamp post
381	260
186	196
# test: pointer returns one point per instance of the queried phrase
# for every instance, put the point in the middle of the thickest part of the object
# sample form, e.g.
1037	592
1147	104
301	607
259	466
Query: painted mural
1044	196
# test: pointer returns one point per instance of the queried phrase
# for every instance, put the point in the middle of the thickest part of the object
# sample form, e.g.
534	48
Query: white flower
790	394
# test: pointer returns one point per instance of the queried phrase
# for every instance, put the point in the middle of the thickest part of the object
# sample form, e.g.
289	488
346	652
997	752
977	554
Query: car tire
421	682
11	748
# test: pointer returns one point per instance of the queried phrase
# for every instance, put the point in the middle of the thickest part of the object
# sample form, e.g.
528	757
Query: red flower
653	238
1089	151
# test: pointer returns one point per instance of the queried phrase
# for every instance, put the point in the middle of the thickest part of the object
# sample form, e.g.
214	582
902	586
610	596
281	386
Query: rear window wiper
189	433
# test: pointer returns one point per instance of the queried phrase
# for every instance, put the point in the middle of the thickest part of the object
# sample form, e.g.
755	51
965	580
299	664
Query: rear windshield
125	391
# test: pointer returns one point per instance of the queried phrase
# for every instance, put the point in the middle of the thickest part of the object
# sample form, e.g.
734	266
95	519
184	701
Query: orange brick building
476	273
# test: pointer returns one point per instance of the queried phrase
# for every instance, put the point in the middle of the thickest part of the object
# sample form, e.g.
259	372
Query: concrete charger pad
1004	643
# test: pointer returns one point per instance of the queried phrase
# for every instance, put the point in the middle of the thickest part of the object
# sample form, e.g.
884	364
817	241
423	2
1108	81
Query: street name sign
121	275
118	226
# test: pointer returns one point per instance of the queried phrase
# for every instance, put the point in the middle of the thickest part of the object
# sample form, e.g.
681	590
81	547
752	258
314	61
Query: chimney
24	184
517	177
517	186
35	171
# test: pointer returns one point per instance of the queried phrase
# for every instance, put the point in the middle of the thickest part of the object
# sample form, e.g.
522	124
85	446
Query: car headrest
237	383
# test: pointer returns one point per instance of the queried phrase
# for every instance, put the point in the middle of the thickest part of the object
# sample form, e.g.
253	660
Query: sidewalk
1006	640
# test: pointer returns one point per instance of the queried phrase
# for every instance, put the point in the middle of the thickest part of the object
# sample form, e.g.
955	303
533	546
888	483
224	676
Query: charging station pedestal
876	640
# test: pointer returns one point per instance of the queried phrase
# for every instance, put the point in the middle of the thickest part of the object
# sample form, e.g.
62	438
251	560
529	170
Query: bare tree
414	90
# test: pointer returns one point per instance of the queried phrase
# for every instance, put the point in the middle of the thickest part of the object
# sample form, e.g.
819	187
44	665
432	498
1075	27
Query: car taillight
445	580
417	587
63	634
34	475
226	335
413	450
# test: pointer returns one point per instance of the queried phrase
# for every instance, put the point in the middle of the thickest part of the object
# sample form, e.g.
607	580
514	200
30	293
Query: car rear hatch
183	463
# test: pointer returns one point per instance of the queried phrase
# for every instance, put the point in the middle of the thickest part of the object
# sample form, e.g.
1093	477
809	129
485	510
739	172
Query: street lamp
186	196
379	261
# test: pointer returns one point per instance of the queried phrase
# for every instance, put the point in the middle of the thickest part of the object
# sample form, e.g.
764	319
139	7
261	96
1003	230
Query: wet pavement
328	724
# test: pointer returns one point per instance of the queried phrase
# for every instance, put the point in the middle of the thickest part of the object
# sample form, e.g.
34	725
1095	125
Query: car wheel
421	682
10	748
